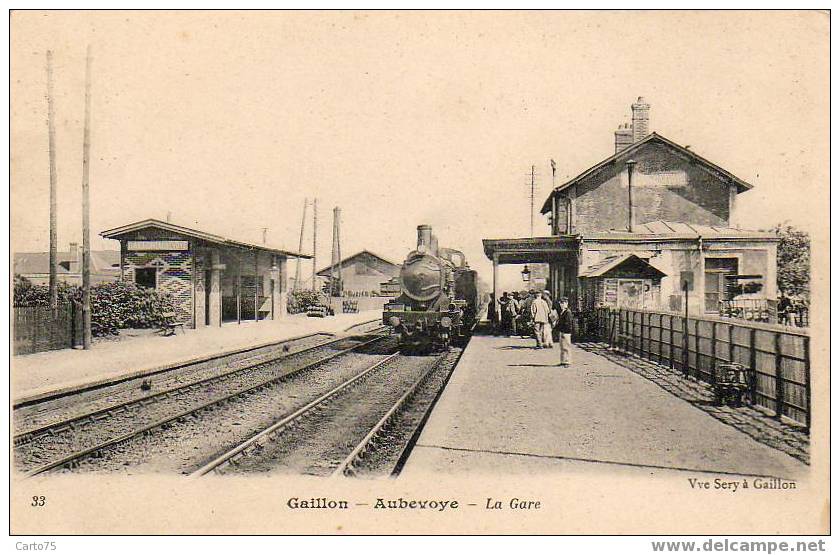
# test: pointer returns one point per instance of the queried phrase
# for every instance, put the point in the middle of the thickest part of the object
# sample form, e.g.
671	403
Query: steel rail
73	458
264	436
22	438
36	400
346	467
366	322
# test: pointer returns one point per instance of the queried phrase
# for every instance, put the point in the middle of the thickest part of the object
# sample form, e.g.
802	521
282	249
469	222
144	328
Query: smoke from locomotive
438	298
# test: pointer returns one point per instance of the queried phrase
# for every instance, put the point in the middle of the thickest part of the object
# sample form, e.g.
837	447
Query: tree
794	260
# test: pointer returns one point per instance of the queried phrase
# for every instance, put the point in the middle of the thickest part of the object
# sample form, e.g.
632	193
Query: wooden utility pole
314	243
53	283
86	316
300	245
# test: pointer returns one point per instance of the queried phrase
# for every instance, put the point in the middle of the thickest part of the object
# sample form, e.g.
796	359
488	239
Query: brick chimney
641	116
75	260
623	137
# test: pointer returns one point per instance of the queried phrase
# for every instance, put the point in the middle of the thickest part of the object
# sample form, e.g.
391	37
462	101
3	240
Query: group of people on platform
537	316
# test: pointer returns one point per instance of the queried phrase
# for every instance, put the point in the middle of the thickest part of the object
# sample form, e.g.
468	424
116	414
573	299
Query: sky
228	120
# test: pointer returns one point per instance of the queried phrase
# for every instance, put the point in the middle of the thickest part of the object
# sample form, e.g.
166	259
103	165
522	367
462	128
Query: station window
146	277
716	271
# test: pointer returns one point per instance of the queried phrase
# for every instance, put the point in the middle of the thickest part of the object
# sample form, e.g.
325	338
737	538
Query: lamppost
274	274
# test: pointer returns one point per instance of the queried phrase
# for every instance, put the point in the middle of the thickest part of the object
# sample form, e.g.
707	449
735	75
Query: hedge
114	305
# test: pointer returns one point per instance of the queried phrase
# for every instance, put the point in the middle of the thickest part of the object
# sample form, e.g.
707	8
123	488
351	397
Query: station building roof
665	230
151	223
527	250
362	255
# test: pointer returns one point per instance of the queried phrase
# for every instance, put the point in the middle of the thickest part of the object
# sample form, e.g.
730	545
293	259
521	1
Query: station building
641	226
363	273
213	279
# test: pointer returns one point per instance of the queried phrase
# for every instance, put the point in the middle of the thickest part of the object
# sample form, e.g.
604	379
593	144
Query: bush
114	306
122	305
300	301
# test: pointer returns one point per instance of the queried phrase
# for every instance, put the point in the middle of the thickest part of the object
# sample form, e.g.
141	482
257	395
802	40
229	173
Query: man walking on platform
548	339
539	315
566	326
527	325
513	308
504	312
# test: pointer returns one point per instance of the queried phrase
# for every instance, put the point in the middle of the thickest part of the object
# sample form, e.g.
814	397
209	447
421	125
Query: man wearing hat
540	311
566	326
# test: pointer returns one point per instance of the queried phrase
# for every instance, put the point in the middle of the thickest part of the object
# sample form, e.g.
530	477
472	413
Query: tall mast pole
314	242
532	200
335	261
53	283
630	165
86	316
300	245
338	246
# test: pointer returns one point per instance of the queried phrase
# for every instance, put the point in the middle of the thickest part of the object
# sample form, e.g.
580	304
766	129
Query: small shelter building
213	279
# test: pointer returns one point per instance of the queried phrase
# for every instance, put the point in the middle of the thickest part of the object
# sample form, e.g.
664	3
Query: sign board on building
158	245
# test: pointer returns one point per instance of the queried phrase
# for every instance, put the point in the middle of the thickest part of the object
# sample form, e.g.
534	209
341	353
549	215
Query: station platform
48	373
511	409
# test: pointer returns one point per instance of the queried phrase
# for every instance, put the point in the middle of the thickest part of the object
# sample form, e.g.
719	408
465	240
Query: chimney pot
75	263
424	235
641	119
623	137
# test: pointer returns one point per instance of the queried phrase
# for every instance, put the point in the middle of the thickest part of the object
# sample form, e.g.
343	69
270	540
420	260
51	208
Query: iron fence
778	357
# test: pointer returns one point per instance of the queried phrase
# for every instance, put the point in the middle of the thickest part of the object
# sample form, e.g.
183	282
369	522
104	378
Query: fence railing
41	328
779	357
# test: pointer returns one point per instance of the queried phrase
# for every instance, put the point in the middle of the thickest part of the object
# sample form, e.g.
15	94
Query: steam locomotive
438	300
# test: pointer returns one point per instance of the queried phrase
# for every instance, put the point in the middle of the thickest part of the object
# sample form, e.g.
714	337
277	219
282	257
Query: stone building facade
364	273
666	206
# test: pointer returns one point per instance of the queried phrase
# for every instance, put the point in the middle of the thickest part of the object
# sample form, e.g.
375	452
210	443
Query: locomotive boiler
438	299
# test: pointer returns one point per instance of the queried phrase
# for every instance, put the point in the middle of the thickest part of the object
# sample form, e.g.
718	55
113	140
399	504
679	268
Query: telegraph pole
314	242
300	245
53	283
86	316
532	199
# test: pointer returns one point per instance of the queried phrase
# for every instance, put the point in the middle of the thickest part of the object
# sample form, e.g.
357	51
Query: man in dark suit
565	326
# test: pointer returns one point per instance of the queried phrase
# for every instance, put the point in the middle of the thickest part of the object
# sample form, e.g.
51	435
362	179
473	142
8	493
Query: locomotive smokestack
424	236
434	248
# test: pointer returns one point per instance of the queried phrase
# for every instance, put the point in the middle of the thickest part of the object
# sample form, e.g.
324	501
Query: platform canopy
531	250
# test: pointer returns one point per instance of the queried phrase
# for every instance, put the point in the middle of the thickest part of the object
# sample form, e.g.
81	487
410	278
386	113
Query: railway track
369	410
32	409
60	439
386	447
54	415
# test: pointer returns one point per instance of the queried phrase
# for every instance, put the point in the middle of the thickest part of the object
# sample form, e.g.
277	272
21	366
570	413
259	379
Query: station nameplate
158	245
